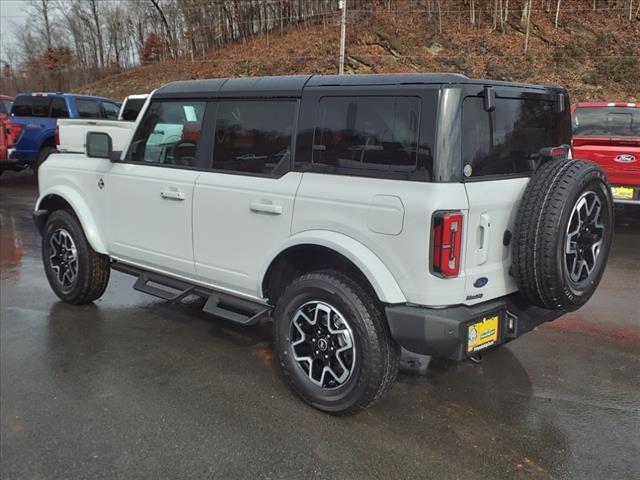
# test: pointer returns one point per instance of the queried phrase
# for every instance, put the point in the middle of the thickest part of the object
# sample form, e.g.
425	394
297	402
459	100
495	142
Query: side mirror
99	145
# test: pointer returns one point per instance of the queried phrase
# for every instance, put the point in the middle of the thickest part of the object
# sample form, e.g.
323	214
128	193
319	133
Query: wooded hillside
115	48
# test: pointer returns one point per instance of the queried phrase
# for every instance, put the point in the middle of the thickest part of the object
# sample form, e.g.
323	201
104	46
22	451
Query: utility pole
342	5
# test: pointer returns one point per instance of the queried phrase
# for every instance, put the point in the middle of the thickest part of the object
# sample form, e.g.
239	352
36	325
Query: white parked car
72	133
361	213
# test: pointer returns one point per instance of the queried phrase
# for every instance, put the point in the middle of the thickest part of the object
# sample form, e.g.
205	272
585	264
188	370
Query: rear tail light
446	243
13	133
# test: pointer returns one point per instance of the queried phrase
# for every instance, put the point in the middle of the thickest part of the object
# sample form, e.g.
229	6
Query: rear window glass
88	108
606	122
31	106
368	136
508	139
132	108
59	108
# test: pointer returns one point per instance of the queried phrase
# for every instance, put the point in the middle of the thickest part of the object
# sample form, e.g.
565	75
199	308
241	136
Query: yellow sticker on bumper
623	193
482	334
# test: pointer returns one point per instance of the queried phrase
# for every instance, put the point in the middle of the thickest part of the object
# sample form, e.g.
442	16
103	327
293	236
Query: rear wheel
563	234
333	343
76	273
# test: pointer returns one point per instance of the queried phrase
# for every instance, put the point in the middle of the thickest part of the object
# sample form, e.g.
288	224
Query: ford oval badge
481	282
625	158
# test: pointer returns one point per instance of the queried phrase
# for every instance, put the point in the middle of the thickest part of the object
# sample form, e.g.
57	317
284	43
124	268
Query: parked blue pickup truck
36	115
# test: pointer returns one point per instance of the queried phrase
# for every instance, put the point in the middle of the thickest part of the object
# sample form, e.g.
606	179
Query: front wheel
77	274
333	343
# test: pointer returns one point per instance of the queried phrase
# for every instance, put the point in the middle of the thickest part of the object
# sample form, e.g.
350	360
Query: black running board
220	304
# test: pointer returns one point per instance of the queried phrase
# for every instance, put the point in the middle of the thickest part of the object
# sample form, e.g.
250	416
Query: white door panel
493	206
238	219
150	216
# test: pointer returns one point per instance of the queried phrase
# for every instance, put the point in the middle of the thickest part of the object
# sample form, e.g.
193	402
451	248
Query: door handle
262	207
483	251
172	195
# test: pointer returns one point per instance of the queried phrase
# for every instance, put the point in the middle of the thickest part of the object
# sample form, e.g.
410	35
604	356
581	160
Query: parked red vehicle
609	134
5	109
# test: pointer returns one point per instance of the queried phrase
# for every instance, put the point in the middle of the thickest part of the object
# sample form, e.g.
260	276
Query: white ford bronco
361	213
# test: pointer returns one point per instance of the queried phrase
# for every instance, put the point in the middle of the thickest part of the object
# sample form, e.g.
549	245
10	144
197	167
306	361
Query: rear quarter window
371	136
508	140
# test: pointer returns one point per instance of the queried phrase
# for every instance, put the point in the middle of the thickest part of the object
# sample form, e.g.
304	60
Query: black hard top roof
292	85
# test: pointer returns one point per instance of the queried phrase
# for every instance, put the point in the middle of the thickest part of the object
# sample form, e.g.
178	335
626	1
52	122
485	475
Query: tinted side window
31	106
169	133
110	111
59	108
5	107
368	135
22	107
508	140
40	106
132	108
254	136
88	108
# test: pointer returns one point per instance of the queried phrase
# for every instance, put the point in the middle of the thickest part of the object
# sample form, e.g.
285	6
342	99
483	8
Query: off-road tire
93	269
378	355
541	229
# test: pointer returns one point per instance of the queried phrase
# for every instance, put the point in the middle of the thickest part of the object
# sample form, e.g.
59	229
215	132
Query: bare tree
42	14
557	12
170	44
526	16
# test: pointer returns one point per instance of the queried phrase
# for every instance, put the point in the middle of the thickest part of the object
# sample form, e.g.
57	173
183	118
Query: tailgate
619	158
73	132
493	207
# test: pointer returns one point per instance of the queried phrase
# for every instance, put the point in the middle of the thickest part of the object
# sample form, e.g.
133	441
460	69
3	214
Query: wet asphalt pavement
132	387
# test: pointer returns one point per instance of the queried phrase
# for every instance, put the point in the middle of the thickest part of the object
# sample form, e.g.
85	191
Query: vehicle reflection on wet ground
132	387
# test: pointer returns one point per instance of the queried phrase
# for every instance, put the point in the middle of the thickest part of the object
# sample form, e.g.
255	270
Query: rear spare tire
562	234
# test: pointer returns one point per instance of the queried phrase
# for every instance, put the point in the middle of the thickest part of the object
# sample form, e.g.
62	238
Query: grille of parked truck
609	134
360	213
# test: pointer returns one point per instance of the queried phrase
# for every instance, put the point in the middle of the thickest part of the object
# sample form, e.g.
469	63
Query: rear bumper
443	332
13	161
22	156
